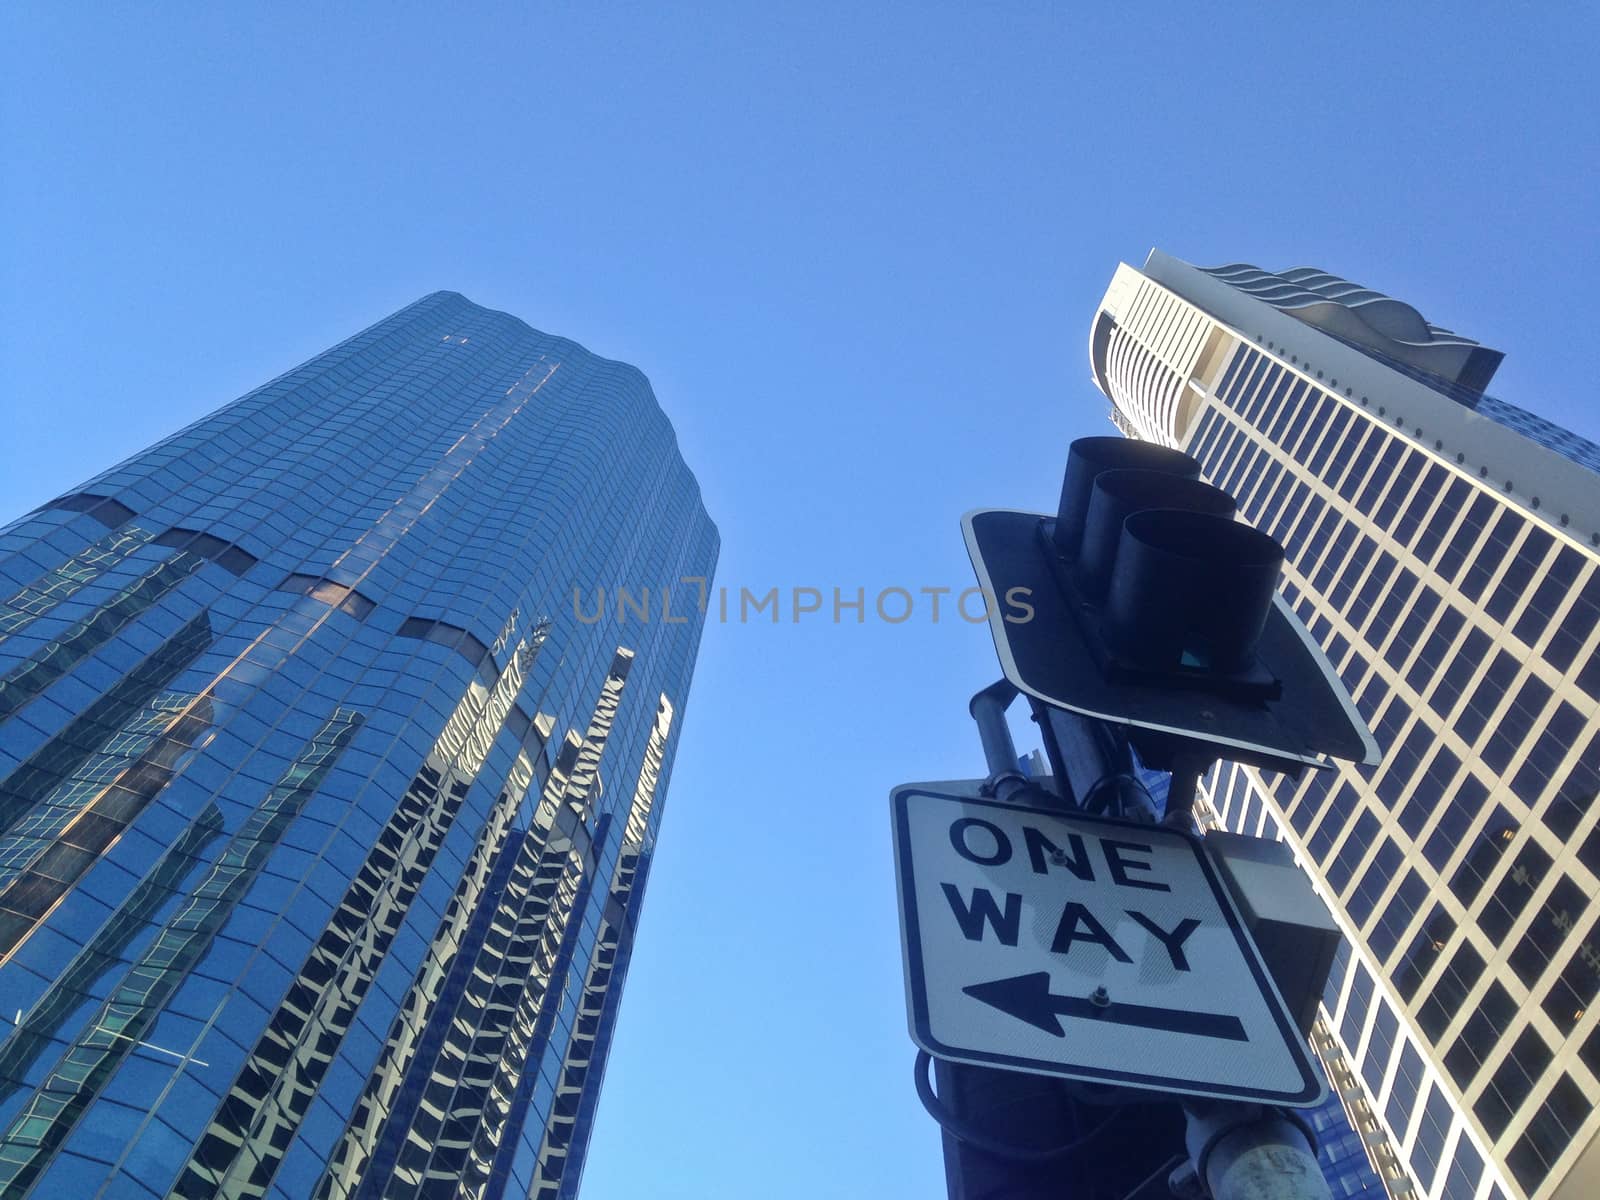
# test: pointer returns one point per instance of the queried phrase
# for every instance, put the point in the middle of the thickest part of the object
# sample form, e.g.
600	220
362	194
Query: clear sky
857	249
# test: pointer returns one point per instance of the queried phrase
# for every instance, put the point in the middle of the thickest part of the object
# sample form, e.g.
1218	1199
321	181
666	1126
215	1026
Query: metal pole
1097	764
988	709
1238	1151
1246	1152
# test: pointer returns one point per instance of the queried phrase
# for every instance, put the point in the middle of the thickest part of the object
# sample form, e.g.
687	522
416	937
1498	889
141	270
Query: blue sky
857	250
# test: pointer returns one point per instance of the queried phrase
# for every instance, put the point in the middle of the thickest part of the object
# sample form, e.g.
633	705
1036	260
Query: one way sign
1099	950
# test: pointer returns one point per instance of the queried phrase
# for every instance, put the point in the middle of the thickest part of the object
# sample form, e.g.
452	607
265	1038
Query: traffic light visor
1087	458
1190	592
1118	494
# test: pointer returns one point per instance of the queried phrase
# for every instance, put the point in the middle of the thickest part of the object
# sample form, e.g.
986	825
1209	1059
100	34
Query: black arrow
1028	998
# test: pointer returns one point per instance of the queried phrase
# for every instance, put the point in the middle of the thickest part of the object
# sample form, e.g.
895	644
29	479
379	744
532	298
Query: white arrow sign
1100	950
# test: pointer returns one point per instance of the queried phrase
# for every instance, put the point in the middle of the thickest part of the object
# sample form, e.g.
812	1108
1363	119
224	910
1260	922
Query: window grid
1554	688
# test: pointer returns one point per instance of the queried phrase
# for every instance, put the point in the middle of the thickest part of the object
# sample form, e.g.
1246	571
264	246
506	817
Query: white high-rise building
1442	546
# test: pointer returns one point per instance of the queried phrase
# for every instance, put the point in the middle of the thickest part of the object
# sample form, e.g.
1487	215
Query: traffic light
1144	603
1144	606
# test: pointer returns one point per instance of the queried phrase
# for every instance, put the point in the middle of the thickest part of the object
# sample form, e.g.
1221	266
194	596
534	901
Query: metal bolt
1058	857
1100	998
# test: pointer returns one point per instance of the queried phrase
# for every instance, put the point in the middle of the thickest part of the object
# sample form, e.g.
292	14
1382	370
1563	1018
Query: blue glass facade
1340	1154
334	733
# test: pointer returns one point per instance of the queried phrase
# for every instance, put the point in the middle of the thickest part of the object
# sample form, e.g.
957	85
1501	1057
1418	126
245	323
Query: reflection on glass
379	1108
467	1057
105	951
559	884
39	829
133	1006
25	681
93	827
243	1146
83	737
53	587
578	1084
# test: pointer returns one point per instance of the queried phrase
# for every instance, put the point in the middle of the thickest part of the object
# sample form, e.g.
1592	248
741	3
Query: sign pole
1001	1105
1005	782
1247	1152
1239	1151
1026	1136
1067	954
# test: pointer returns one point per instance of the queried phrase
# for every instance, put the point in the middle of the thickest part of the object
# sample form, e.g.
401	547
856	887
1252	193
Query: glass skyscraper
1442	546
334	735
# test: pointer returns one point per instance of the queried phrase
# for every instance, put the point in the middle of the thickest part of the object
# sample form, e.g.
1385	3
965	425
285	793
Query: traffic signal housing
1143	602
